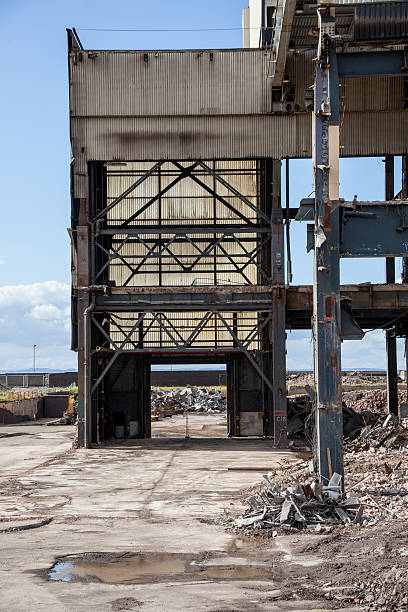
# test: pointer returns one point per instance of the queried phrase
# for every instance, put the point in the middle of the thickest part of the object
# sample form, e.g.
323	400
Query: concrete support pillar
391	340
326	287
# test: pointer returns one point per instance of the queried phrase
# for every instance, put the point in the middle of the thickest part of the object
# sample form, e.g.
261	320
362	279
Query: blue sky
34	177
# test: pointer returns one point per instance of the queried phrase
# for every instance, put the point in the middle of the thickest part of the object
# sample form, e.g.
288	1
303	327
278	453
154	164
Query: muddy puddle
243	543
152	567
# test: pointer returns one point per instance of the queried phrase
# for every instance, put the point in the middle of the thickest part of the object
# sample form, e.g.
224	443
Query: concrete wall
22	410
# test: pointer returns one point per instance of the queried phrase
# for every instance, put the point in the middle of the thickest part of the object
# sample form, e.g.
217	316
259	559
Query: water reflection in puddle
146	568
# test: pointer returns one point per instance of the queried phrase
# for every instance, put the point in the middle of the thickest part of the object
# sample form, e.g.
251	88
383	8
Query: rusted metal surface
180	107
326	291
278	312
216	137
390	336
185	105
193	137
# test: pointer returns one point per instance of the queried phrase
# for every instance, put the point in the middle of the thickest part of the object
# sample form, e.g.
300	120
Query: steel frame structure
231	263
330	243
245	241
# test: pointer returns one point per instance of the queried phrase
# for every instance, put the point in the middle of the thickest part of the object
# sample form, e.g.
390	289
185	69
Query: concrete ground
156	497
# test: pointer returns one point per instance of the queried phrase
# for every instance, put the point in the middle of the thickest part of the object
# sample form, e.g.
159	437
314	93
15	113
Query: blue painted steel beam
380	231
328	449
372	64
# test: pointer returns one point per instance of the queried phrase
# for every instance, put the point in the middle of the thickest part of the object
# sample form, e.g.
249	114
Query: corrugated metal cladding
351	2
382	93
302	35
381	21
184	203
193	137
183	105
276	136
149	83
365	1
382	133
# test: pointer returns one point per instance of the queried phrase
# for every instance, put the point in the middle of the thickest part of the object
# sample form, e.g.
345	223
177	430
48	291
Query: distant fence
39	379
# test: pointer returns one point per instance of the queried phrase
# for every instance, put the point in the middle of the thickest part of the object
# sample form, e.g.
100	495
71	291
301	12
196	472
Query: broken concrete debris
387	432
166	402
313	506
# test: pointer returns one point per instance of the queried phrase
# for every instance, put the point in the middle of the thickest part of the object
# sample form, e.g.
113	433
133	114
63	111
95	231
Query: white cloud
37	313
46	312
2	261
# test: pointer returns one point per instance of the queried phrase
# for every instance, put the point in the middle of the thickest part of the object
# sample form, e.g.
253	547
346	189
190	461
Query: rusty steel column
278	313
326	287
83	354
404	195
390	338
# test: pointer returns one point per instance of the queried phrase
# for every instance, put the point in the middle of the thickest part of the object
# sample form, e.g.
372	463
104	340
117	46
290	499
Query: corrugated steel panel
150	83
302	34
356	94
374	134
274	136
372	94
363	1
155	138
381	21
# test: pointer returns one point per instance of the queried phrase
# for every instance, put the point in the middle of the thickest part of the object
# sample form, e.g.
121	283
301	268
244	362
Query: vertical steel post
326	286
84	353
278	313
404	195
390	338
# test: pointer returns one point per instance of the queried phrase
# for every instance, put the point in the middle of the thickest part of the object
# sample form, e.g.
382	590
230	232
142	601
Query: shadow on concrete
201	444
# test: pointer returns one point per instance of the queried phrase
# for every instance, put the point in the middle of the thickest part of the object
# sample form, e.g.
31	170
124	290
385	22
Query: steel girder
127	335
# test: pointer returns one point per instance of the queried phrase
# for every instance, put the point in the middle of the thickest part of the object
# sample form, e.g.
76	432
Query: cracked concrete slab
141	496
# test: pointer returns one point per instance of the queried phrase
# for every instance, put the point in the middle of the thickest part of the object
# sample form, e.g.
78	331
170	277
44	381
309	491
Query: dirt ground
141	524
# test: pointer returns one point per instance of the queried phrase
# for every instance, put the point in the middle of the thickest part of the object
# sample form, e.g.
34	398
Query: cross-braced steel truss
186	221
175	333
170	225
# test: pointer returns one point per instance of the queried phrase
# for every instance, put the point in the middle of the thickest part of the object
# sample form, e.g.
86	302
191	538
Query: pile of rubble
189	399
376	476
369	402
388	432
300	418
312	506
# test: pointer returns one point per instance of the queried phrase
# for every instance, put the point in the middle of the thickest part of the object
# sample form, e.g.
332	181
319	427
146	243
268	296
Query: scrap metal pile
189	399
385	432
312	506
300	418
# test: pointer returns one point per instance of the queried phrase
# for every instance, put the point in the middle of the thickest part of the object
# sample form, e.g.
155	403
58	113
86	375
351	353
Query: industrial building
178	225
